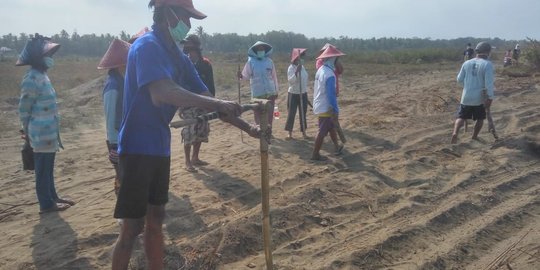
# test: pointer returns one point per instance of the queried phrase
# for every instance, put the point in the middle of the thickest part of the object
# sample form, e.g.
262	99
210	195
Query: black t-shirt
204	67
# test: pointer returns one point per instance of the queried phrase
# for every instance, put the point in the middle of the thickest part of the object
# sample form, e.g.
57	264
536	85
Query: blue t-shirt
145	127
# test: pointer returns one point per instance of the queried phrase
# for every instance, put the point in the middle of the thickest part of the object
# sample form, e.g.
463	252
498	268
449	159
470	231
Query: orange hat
296	52
185	4
139	34
116	55
331	51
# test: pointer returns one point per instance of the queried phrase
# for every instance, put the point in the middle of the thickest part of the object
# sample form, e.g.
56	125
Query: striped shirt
38	112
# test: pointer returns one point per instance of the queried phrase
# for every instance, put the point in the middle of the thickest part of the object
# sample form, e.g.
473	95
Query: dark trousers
293	104
45	189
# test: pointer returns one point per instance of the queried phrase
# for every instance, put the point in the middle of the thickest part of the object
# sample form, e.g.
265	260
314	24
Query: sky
435	19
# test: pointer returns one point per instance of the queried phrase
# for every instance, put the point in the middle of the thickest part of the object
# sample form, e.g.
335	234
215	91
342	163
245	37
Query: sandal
57	207
66	201
199	163
339	151
191	169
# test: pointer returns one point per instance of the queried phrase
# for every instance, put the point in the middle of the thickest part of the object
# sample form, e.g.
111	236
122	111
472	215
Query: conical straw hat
116	55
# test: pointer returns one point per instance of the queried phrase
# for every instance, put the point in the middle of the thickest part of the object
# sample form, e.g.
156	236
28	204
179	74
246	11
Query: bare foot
454	139
319	158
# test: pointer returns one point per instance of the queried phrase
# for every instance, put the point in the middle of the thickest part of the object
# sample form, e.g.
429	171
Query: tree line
92	45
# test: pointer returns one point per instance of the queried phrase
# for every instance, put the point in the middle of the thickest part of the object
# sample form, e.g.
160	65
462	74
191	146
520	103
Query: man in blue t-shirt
159	79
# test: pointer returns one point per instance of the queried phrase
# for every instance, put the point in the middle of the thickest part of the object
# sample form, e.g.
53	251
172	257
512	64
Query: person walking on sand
260	71
477	77
114	61
38	114
338	70
159	79
298	80
195	135
325	104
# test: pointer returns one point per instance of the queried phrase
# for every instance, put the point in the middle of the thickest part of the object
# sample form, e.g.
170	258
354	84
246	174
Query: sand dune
400	197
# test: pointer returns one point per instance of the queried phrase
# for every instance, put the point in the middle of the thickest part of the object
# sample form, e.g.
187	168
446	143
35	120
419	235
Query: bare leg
187	155
477	127
457	125
196	150
153	236
129	230
317	147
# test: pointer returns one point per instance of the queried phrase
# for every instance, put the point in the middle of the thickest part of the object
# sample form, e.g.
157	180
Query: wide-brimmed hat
116	55
331	51
185	4
296	52
35	48
138	35
325	47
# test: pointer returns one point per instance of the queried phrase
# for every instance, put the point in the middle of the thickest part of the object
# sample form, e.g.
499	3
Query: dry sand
400	197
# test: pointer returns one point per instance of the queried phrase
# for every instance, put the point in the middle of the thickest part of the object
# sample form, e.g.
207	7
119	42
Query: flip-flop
199	163
66	201
340	150
191	169
57	207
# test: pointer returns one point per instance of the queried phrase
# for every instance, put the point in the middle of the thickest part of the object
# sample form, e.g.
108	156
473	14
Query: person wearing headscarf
298	80
38	113
325	104
195	135
261	72
114	61
338	67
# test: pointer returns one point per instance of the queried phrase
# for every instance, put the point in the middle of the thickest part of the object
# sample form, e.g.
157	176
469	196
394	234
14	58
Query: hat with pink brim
116	55
331	51
296	52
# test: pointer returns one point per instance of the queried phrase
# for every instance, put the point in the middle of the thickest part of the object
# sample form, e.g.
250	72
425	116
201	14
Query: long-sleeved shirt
294	83
476	75
38	112
324	92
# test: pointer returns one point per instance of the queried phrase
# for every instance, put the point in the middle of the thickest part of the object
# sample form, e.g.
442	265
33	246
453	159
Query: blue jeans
45	190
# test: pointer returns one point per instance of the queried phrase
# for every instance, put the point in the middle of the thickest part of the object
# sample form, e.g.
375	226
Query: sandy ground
400	196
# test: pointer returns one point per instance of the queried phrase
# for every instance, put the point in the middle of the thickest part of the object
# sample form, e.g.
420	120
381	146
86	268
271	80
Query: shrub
532	53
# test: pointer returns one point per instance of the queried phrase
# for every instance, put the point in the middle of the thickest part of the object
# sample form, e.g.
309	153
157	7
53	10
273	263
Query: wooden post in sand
265	181
239	98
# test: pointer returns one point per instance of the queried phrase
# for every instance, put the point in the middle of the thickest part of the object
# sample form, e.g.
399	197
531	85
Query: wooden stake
265	183
239	99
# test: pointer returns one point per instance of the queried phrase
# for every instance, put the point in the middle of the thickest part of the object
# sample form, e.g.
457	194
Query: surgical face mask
261	54
49	62
301	61
180	31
